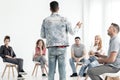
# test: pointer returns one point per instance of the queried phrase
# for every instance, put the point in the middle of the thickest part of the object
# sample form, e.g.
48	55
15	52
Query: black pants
17	61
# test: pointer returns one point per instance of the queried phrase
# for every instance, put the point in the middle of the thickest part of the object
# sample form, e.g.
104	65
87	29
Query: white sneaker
22	73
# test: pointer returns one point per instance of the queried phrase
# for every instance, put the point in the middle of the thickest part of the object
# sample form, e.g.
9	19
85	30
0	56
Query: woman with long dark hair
40	51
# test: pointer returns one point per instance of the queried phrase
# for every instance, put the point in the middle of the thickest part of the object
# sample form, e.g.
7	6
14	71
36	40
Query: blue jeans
40	59
71	61
91	62
54	54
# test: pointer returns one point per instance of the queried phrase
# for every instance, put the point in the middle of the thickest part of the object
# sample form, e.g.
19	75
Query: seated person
97	46
92	61
8	55
77	55
39	56
112	61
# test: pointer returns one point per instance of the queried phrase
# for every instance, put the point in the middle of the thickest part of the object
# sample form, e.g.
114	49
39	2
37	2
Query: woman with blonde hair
97	48
92	61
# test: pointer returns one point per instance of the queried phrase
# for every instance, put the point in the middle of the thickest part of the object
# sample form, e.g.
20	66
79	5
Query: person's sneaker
22	73
84	75
43	74
74	75
20	77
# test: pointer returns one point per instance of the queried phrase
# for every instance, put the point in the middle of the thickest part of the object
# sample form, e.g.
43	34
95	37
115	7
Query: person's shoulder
64	19
117	39
10	47
82	44
73	45
2	46
47	18
44	48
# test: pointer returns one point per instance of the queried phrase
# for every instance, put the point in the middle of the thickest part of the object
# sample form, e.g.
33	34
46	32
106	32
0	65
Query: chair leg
46	71
4	71
86	78
110	78
8	71
34	70
76	66
13	71
16	68
106	78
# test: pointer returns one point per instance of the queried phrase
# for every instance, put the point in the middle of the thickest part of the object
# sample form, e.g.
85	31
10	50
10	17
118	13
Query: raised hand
79	24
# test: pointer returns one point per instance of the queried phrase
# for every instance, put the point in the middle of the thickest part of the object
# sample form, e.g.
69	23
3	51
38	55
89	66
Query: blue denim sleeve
43	35
71	30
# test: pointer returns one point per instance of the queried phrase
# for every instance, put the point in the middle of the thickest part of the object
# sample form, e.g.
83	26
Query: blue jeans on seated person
91	62
72	64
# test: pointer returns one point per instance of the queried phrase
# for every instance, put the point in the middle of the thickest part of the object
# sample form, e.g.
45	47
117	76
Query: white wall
21	19
98	15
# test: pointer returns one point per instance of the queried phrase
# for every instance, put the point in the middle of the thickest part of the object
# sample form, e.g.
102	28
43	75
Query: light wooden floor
28	67
39	77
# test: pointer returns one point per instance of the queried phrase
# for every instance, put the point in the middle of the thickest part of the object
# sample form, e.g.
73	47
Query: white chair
9	65
37	64
112	75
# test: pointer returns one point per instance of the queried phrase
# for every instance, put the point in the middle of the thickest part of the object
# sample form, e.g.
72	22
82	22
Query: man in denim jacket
55	30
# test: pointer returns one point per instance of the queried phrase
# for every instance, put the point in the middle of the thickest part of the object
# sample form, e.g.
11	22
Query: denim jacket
55	29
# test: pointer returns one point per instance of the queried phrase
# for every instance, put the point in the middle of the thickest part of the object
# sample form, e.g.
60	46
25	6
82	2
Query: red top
37	51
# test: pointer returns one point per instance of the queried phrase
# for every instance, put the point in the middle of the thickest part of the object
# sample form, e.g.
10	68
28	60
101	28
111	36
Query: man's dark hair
77	38
116	26
7	37
54	6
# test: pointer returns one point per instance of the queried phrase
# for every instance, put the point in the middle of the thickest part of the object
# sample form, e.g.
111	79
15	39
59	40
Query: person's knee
70	60
90	71
20	59
42	66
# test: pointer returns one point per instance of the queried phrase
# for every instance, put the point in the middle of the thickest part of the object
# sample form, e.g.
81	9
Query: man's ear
114	29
